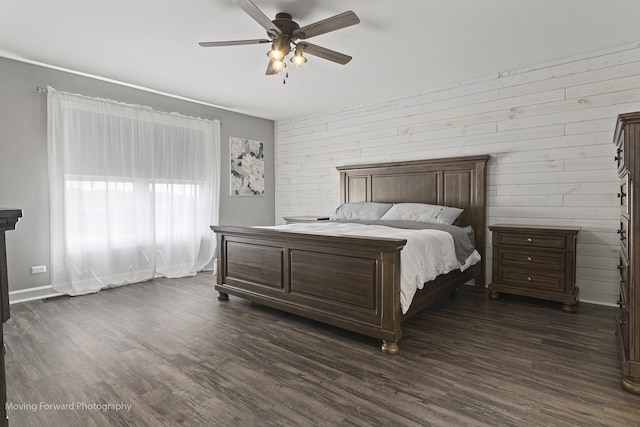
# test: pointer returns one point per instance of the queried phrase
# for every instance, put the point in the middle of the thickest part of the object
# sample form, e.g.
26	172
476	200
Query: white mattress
427	254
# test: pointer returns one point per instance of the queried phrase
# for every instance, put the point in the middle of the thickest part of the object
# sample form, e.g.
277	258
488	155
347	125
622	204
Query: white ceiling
399	47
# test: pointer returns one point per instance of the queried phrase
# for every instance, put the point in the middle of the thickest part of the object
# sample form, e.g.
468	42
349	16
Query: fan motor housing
285	23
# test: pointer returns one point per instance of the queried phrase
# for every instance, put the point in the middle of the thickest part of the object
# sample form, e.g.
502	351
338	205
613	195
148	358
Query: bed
354	282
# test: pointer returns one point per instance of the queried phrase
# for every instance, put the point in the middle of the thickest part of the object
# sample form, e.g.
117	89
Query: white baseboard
47	291
31	294
606	304
24	295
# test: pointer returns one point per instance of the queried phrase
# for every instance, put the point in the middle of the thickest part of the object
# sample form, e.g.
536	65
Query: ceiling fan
283	33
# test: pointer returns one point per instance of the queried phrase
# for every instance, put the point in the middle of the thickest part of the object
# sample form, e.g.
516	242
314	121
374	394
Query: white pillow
448	215
422	212
364	211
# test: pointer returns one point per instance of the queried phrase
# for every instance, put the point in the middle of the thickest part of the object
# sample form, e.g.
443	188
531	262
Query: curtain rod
41	89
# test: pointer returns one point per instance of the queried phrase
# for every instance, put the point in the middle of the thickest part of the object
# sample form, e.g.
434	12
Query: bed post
220	265
479	216
391	317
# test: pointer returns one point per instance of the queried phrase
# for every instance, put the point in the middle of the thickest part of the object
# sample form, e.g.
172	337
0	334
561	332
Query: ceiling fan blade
271	69
337	22
324	53
258	16
234	42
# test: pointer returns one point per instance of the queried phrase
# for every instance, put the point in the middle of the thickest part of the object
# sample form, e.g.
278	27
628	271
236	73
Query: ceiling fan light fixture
275	55
298	59
279	49
279	65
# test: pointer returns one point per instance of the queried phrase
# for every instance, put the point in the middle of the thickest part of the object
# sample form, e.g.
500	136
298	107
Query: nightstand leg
222	296
572	305
493	295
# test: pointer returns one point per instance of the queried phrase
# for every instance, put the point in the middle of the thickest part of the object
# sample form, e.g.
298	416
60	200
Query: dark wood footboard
349	282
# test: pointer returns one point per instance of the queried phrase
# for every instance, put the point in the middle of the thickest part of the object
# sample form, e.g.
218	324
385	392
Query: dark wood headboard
455	181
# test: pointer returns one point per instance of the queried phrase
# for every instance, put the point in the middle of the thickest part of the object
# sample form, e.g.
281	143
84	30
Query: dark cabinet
8	220
627	160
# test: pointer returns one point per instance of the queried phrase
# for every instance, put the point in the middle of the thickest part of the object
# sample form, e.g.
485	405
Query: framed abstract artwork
247	167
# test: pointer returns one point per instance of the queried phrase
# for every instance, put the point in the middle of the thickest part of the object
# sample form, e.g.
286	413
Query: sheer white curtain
133	192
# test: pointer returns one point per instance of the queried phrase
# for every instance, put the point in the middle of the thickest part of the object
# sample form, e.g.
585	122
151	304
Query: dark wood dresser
627	141
8	220
535	261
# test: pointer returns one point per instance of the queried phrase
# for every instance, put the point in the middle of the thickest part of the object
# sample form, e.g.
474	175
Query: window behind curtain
133	192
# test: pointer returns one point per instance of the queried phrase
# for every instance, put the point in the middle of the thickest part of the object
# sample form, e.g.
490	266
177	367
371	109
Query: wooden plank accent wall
547	127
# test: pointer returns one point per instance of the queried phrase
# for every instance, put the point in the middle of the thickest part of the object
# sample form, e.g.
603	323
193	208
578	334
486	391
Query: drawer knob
622	322
529	278
529	239
529	259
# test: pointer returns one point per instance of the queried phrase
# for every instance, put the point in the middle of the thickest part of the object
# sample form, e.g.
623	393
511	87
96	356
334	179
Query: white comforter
427	254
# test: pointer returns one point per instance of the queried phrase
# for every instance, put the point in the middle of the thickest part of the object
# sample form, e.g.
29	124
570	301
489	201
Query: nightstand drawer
531	259
533	240
532	280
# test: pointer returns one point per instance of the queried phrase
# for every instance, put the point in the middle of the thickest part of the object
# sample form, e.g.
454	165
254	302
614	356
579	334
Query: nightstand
535	261
304	218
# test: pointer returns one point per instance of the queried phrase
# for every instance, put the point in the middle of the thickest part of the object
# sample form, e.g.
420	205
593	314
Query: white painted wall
548	128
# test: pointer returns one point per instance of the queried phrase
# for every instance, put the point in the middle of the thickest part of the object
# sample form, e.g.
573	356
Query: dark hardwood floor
177	356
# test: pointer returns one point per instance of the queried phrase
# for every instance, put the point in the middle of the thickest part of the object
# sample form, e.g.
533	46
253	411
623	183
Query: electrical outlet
39	269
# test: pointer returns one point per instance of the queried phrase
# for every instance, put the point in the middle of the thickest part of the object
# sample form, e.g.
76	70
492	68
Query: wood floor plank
178	356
